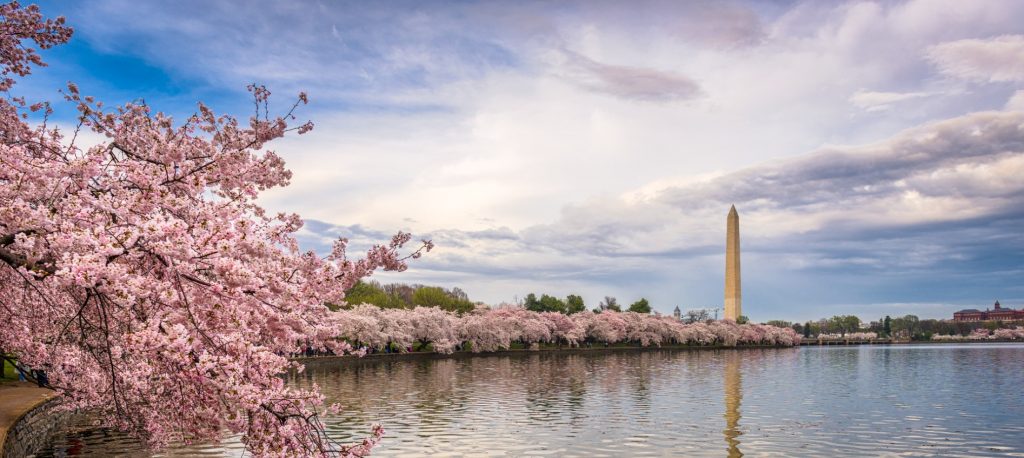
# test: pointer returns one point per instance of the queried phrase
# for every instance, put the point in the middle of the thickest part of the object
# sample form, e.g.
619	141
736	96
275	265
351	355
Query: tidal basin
884	400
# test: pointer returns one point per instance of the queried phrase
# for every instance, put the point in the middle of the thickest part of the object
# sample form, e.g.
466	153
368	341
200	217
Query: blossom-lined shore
983	334
489	330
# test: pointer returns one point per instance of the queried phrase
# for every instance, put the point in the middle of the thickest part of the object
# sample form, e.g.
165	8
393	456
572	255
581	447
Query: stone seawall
30	432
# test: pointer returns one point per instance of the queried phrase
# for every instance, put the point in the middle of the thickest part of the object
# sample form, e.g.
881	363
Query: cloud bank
872	149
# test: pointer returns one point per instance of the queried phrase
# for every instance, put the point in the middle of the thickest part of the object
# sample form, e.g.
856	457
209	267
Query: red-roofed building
997	313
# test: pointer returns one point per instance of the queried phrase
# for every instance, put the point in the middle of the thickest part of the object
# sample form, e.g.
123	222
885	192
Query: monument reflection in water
830	401
733	398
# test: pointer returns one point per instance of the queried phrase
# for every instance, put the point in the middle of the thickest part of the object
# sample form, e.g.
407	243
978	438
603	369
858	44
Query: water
906	400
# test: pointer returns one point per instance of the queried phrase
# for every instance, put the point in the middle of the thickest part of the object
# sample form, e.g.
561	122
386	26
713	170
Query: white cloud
998	59
881	101
534	122
894	207
1016	102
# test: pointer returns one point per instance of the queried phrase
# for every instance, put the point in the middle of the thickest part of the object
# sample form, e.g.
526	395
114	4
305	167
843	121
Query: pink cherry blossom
142	276
431	325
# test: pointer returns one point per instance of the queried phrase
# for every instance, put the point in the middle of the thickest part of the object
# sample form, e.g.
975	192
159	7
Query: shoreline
312	361
27	416
346	359
840	343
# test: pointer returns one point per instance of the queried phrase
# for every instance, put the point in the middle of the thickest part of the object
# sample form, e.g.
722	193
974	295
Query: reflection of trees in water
427	390
733	396
639	378
549	383
574	390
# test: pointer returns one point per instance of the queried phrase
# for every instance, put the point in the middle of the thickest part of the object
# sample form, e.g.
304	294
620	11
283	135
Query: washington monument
733	296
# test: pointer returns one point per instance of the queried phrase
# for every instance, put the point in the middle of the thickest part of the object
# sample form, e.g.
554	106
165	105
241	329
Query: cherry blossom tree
141	275
670	330
1009	334
431	325
485	332
641	328
524	325
397	325
563	328
726	332
361	328
752	334
698	332
608	327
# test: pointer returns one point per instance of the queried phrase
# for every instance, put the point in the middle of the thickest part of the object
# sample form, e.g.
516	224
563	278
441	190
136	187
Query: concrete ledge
27	418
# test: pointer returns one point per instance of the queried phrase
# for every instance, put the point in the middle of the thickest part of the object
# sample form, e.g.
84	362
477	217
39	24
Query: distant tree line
574	304
406	296
906	327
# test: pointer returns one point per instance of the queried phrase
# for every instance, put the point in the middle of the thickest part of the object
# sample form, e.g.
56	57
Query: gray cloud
928	208
635	83
934	160
371	55
721	24
443	114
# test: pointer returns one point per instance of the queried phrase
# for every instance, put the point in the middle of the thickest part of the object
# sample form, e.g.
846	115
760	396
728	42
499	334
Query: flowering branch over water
141	275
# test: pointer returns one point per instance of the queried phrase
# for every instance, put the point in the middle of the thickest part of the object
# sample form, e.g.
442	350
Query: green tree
851	323
876	326
546	303
843	324
531	303
434	296
431	296
807	330
368	293
906	324
742	319
574	304
610	303
551	304
887	326
640	306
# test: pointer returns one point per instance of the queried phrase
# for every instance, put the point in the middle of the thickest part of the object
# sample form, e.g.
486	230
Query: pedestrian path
17	399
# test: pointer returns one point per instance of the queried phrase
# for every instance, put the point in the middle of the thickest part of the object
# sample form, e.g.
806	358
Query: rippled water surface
945	400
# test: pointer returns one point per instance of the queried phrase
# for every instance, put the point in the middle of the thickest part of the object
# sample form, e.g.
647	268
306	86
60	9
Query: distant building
677	313
996	313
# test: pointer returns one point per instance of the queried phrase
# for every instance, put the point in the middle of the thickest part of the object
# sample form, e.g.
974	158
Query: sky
872	149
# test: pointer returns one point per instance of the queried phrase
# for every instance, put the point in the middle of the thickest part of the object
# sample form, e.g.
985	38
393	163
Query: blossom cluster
488	330
984	334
